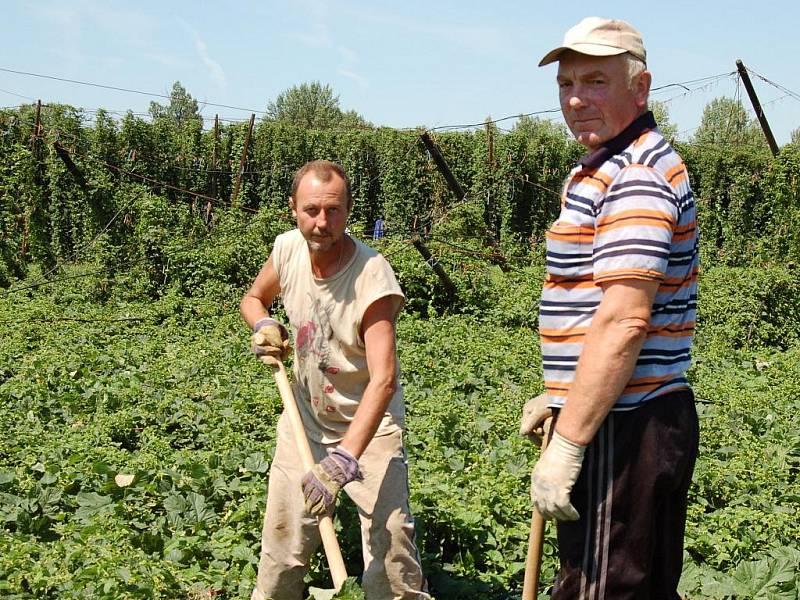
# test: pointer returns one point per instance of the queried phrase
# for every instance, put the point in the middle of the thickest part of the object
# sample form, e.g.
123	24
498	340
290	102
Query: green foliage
182	109
137	451
725	122
512	182
756	306
138	431
312	106
661	113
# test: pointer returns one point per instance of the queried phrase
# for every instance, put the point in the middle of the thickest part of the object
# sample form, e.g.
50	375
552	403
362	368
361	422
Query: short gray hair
635	67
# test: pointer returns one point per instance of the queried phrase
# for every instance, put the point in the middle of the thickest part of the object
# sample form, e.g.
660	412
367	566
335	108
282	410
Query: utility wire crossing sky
400	65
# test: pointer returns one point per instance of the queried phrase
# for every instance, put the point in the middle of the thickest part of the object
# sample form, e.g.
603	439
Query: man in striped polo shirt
616	323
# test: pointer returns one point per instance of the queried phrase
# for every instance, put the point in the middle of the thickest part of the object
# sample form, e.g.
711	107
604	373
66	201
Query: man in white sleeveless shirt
341	299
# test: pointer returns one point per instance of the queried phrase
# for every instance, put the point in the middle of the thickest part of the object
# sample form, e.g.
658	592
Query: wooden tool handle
326	531
533	563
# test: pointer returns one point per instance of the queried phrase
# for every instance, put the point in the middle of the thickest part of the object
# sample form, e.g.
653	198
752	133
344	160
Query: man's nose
322	220
576	100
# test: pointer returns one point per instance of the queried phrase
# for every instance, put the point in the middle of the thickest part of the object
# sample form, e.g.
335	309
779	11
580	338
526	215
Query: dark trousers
631	495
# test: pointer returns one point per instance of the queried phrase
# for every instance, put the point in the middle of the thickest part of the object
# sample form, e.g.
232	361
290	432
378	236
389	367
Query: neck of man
329	262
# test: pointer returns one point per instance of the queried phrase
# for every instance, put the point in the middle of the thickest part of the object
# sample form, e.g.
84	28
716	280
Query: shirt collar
601	154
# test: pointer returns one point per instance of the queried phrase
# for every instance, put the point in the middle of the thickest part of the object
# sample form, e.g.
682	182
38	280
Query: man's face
321	211
596	100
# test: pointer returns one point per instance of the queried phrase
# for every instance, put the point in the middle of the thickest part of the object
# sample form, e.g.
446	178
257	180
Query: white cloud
481	39
361	81
215	70
349	58
348	54
166	59
319	35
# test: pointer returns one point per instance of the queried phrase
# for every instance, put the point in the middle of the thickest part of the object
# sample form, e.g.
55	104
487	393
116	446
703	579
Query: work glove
327	477
271	340
553	477
534	414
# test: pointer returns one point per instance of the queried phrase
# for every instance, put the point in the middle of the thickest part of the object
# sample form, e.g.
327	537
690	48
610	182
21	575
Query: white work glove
534	414
553	477
270	340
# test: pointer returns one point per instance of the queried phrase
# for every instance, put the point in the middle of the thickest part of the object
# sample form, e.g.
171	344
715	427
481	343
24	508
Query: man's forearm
368	416
606	364
252	309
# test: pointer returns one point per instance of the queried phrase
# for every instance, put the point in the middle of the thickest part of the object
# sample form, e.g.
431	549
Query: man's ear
293	206
642	88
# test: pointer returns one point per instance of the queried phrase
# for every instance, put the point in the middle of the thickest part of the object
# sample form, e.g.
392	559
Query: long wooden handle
326	531
533	563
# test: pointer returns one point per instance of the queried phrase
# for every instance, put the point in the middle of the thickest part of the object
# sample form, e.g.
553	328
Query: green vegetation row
138	435
122	197
138	430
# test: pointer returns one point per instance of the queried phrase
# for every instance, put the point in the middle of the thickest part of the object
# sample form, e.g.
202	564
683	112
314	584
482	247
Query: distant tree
182	108
795	137
312	106
725	122
536	126
351	119
661	113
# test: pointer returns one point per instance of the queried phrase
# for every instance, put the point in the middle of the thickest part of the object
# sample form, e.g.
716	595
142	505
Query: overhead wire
121	89
782	88
411	145
17	95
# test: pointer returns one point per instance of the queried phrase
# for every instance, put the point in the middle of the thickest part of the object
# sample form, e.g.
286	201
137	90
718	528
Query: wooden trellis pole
762	118
243	160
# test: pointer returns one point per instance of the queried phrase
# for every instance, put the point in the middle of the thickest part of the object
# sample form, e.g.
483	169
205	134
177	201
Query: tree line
137	183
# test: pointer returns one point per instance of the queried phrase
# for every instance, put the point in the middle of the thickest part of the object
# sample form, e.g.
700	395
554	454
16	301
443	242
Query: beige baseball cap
597	36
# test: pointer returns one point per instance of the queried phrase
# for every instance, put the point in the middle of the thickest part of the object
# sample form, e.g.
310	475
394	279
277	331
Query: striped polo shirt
627	212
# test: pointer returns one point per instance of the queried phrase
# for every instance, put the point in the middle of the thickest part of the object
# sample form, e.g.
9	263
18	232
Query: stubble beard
320	247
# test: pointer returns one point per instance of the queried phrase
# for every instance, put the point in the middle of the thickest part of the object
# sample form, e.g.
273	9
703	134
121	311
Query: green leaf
766	578
350	591
175	555
175	505
92	504
198	510
255	463
93	500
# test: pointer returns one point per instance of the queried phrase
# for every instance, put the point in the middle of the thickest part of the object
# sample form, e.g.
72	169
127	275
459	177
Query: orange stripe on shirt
641	139
646	384
683	330
568	233
676	175
594	178
636	215
679	282
562	336
646	274
635	222
566	284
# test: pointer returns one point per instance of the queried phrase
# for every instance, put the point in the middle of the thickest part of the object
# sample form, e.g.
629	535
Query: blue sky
400	64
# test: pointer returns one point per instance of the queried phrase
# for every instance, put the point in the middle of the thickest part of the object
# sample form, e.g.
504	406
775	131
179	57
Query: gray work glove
270	340
327	477
553	477
534	414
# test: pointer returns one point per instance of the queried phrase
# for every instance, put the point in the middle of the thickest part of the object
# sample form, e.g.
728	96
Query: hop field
138	436
137	430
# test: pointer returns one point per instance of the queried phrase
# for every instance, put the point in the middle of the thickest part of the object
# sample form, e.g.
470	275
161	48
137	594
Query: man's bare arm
610	350
259	297
379	339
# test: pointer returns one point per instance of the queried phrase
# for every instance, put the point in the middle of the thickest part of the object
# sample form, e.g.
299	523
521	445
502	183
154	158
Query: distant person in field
379	230
616	323
341	299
